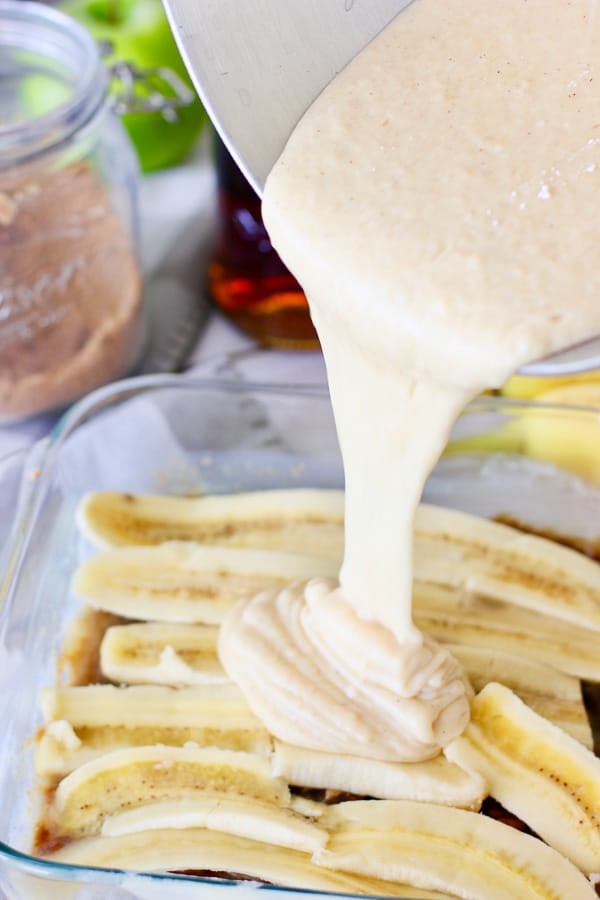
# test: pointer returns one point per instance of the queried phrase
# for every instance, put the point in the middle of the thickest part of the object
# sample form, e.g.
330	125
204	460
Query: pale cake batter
439	204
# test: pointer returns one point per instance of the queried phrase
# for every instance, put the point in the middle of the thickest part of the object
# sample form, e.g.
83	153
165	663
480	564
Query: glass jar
70	281
247	279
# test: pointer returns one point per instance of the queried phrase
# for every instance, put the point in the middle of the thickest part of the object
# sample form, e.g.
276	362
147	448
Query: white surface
224	351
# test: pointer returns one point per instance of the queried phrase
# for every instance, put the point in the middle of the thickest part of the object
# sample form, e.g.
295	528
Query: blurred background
131	243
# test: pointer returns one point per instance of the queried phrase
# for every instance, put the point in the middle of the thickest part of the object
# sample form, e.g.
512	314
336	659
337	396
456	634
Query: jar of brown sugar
70	284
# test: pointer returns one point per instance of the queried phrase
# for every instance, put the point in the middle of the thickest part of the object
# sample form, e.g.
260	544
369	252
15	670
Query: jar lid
52	80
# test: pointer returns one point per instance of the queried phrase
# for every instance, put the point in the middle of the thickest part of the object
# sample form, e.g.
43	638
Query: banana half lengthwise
453	616
451	548
238	815
553	694
484	557
433	781
440	848
187	582
61	748
141	776
202	850
84	723
301	521
536	771
217	706
162	653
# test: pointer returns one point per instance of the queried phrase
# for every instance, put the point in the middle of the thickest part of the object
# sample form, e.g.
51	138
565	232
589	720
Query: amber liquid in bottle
247	279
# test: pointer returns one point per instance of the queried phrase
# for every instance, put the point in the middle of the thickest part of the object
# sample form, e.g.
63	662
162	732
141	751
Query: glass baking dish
176	435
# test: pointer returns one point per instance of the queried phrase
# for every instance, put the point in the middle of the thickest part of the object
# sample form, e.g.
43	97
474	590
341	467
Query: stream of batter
439	204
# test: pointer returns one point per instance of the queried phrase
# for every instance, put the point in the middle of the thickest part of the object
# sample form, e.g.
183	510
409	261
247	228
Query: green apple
137	31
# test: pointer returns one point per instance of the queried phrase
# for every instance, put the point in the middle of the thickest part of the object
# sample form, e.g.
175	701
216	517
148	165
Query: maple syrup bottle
247	279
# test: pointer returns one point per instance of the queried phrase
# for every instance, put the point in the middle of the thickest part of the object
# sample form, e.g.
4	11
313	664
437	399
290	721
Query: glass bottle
247	279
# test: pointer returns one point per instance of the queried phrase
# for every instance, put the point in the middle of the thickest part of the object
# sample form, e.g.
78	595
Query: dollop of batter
318	676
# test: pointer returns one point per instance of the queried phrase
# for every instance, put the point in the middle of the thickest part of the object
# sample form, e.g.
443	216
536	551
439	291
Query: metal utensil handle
137	90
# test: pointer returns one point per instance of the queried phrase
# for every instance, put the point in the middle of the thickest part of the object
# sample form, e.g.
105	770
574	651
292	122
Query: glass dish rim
34	491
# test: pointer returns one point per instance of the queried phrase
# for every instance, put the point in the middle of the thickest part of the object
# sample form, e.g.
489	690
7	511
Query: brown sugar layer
70	289
80	659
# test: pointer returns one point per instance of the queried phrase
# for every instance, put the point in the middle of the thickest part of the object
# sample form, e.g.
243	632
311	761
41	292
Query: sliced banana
451	548
179	803
453	616
433	781
551	693
143	706
186	582
162	653
239	815
536	771
301	520
483	557
141	776
61	748
453	850
202	850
